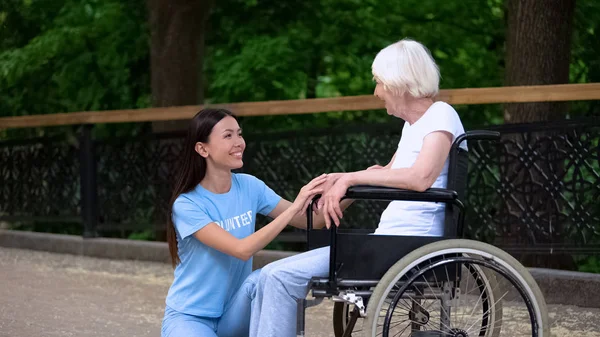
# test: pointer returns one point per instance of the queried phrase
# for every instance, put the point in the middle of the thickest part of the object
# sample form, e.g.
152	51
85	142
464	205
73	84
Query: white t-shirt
412	217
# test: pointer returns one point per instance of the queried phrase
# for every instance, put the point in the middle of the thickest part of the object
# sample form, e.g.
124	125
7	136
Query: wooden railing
522	94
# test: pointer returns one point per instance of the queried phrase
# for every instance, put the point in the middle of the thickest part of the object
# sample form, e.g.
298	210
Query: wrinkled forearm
404	178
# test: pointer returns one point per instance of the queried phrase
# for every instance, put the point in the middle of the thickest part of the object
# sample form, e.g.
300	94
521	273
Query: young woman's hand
307	193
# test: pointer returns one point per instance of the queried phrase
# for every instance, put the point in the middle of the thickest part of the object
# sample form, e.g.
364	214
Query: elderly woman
407	80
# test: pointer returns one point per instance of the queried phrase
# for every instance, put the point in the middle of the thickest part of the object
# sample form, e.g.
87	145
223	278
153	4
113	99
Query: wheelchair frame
347	272
453	226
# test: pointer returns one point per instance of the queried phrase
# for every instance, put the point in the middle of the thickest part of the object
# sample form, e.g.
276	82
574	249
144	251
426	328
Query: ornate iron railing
535	191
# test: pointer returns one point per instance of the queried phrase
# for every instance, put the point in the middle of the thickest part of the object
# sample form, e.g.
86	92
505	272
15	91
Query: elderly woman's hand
331	180
375	167
329	203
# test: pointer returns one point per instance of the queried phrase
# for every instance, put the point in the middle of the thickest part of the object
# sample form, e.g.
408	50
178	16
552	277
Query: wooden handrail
521	94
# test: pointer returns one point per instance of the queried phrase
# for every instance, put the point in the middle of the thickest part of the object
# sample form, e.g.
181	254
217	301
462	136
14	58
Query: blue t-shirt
206	279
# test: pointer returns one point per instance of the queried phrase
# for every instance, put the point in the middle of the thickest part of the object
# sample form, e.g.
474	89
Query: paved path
46	294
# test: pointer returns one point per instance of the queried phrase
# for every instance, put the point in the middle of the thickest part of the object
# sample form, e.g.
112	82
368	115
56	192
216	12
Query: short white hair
407	66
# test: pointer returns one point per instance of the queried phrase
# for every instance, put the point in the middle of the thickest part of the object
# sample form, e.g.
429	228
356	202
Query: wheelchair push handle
473	136
477	135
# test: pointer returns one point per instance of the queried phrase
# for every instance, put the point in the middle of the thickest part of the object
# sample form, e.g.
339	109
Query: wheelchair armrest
389	193
365	192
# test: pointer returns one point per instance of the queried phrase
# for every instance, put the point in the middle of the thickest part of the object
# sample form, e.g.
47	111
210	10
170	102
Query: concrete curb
117	249
558	286
568	287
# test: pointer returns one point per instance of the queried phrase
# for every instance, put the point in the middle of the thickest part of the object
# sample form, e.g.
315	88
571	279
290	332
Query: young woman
211	233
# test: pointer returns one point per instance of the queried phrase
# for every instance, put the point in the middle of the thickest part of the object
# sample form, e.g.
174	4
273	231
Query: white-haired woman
407	80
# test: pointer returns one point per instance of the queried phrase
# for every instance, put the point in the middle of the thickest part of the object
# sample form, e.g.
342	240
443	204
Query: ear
201	150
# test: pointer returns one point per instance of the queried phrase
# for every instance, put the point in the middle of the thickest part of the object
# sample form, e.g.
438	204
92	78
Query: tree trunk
176	53
538	52
538	49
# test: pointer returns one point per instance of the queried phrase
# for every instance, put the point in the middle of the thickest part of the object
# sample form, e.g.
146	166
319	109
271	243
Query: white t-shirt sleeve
442	117
189	217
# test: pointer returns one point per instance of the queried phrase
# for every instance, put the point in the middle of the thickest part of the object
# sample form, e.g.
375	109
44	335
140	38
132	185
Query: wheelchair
424	286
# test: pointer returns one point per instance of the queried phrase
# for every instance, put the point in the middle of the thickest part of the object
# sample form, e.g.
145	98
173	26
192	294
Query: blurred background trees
81	55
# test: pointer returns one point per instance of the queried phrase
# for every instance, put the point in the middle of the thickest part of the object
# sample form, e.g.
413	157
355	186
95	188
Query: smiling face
225	146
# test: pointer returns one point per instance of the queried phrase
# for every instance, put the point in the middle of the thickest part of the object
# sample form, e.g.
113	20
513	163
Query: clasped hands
334	189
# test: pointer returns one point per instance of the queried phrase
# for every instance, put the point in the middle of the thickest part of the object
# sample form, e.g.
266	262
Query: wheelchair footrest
317	283
322	287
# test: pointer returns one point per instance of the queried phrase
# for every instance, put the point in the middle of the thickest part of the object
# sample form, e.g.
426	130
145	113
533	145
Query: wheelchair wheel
457	288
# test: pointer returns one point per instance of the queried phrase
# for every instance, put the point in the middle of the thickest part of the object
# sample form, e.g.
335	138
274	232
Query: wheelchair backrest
457	180
458	175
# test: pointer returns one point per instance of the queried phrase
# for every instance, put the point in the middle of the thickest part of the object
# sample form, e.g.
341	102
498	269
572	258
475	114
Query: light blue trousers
280	285
234	322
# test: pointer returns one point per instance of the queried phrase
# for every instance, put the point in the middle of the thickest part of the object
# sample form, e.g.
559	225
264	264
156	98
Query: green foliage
585	63
68	228
589	264
272	50
146	235
67	55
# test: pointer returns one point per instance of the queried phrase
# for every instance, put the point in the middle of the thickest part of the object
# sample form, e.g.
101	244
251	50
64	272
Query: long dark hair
192	166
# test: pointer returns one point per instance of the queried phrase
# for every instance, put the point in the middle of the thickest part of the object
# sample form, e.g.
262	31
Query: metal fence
536	191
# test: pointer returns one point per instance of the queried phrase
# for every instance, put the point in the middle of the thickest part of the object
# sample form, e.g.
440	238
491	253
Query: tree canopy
67	55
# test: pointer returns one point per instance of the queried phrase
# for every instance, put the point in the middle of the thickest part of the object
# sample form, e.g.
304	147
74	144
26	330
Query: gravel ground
47	294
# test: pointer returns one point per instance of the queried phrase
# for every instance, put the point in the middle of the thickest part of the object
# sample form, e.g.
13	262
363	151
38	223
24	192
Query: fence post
89	189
